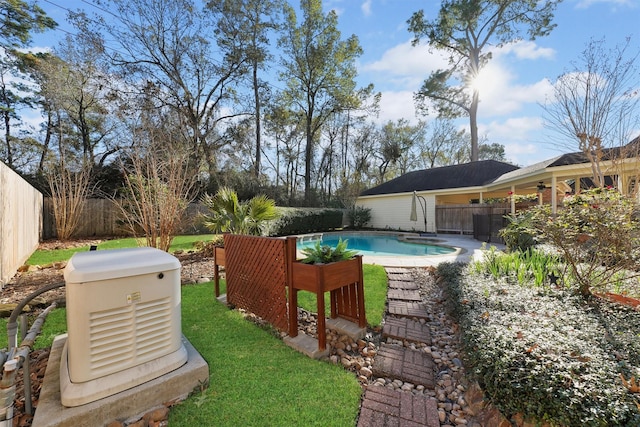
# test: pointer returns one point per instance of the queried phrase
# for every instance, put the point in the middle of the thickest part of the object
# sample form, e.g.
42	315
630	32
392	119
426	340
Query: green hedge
305	220
546	352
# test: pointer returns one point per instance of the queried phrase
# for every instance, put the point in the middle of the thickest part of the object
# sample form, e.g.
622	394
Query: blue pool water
380	245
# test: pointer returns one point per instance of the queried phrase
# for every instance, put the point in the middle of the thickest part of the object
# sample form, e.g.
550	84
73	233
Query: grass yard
42	257
255	379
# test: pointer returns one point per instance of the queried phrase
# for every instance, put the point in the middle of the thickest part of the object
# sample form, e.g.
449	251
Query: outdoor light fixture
541	186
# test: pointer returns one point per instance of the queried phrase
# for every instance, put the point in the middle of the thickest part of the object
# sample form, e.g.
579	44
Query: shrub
548	353
523	267
308	220
597	233
517	234
228	214
359	216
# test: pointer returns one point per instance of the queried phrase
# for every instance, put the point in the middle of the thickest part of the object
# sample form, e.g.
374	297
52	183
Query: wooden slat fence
101	217
20	221
459	218
256	274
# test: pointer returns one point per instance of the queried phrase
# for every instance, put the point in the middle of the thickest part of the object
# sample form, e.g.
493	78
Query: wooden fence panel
459	218
101	218
20	221
256	274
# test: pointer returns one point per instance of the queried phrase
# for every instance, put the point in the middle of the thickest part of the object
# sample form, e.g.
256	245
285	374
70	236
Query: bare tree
442	143
69	188
595	104
159	185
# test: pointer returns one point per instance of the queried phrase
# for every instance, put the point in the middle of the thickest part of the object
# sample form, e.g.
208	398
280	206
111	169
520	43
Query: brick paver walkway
404	294
401	328
383	407
408	309
397	284
413	366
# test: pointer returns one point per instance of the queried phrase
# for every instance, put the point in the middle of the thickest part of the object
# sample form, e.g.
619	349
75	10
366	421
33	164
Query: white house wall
392	211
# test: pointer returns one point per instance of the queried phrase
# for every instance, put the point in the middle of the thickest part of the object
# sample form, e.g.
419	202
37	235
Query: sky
514	85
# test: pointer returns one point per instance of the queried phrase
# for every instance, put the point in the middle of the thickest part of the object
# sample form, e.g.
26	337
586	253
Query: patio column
481	198
554	195
513	200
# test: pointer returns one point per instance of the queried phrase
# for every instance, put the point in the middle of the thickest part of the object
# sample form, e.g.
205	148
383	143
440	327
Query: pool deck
469	249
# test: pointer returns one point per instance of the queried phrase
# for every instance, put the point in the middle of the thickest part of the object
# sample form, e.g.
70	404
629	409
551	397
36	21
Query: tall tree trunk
47	141
308	150
473	122
256	94
7	137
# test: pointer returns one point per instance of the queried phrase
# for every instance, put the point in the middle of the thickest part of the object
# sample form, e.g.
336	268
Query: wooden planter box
219	260
343	279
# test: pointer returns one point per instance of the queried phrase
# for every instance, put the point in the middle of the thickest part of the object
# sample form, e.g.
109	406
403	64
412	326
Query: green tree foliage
492	151
464	29
320	71
228	214
398	143
252	21
598	235
19	20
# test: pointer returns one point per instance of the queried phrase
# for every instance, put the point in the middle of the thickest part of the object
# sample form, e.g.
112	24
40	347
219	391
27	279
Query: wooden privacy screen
256	274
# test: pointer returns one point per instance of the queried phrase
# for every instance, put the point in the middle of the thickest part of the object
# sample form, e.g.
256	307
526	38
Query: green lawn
255	379
42	257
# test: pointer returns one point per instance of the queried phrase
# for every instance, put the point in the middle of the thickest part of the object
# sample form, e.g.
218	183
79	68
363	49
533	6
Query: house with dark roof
470	184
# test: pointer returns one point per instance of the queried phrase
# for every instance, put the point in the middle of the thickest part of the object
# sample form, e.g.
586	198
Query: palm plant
228	214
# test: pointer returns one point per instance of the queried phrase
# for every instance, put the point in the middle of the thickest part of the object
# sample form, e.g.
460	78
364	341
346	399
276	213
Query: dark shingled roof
456	176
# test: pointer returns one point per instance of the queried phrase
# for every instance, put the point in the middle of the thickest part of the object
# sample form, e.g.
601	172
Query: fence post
290	249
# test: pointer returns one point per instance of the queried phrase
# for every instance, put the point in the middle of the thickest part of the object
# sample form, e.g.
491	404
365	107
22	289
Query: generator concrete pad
125	405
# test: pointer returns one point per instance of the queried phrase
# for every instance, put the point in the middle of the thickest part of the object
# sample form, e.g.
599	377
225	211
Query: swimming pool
377	244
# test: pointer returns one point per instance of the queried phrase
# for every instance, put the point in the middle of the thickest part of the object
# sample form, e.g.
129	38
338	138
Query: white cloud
525	49
522	138
584	4
412	63
514	129
397	105
366	7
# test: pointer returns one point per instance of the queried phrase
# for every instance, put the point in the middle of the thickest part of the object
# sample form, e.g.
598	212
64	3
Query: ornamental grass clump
524	267
546	352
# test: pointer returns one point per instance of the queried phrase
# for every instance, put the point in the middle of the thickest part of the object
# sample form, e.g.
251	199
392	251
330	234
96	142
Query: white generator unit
123	322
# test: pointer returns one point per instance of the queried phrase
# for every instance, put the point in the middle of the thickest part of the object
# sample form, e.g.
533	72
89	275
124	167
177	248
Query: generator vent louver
128	333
